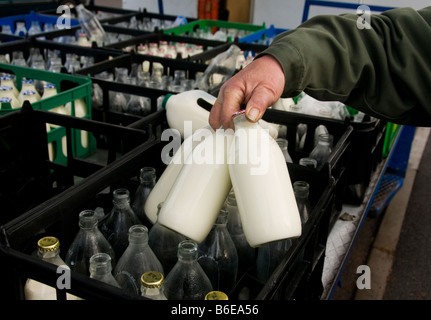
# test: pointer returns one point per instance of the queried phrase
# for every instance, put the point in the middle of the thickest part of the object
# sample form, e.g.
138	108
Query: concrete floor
395	244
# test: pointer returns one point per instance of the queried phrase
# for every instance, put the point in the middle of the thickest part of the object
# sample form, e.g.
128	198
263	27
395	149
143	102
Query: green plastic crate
70	89
188	28
390	134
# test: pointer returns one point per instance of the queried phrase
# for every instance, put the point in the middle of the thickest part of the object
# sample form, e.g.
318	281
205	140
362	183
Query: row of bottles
21	29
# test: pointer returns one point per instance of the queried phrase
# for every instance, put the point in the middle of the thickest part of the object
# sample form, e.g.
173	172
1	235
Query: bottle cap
165	100
48	244
152	279
240	112
216	295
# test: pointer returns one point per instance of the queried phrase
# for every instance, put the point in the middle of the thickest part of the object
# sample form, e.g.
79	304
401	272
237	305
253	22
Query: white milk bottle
80	112
200	189
160	191
262	185
50	90
48	250
7	92
7	80
190	106
27	85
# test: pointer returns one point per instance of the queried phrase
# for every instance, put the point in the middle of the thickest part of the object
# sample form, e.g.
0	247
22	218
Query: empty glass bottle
187	280
116	226
48	249
164	243
147	178
91	24
269	257
136	260
101	269
152	285
302	190
138	105
87	242
283	143
308	162
218	256
246	254
323	148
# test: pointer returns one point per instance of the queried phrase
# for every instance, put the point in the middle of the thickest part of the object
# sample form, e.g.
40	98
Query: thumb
261	99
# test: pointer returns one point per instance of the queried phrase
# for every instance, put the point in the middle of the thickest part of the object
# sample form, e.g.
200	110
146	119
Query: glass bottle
28	85
302	190
20	30
269	257
136	260
320	129
246	254
101	269
308	162
138	105
28	95
7	80
116	226
301	135
87	242
216	295
323	148
283	143
48	249
152	285
218	256
187	280
7	92
91	24
164	243
147	178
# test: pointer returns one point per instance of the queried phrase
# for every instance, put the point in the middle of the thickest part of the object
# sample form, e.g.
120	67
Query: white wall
188	8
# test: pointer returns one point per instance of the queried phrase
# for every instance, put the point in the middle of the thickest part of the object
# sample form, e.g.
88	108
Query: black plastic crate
105	113
28	177
59	217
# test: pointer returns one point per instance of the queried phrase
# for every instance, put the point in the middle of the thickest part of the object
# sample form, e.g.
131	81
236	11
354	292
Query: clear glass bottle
87	242
187	280
138	105
136	260
320	129
164	243
147	178
152	285
269	257
20	30
323	148
91	24
302	191
101	269
308	162
48	249
246	254
301	135
116	226
218	256
283	143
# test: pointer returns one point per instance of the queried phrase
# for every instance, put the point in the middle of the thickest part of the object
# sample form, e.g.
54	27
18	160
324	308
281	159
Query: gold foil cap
216	295
48	244
152	279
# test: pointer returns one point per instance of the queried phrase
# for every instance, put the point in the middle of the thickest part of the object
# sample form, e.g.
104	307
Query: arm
383	71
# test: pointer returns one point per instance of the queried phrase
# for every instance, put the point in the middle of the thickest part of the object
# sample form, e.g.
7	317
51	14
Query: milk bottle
28	85
201	187
190	106
160	191
262	185
6	80
7	92
81	112
48	250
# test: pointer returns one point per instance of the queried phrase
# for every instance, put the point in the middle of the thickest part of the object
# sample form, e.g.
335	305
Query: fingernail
253	114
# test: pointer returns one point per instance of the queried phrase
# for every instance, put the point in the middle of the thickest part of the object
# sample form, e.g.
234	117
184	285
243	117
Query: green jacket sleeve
384	71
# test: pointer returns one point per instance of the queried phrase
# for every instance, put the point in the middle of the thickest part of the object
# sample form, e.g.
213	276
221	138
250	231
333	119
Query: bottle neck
148	177
138	235
88	220
121	199
100	264
187	251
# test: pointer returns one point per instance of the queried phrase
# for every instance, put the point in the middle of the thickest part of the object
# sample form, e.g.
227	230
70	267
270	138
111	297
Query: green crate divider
190	27
391	131
81	90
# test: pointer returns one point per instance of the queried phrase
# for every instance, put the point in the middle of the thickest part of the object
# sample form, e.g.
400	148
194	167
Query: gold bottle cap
48	244
216	295
152	279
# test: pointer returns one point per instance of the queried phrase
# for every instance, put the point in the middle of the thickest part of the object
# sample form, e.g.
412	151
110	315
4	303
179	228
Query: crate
392	130
59	217
28	19
71	88
127	61
264	37
239	30
28	177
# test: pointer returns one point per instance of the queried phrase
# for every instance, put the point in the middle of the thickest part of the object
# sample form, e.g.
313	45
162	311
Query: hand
258	86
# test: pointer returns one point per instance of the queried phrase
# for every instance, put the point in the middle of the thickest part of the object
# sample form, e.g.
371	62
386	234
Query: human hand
258	86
